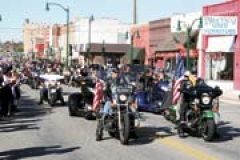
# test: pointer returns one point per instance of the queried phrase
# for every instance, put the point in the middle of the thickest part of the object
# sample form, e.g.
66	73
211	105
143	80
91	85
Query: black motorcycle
80	103
200	117
75	81
122	121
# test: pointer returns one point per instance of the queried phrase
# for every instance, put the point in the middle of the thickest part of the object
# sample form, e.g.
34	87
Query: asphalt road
42	132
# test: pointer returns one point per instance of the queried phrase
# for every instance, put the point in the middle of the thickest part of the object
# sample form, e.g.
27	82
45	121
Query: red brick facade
160	30
143	40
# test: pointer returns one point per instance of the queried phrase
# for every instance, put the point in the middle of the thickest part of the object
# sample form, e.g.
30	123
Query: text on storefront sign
220	25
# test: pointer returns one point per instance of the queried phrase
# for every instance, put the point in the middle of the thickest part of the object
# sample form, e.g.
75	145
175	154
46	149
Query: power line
10	28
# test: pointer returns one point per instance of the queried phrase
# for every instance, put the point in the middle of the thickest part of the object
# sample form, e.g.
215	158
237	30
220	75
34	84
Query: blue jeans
107	109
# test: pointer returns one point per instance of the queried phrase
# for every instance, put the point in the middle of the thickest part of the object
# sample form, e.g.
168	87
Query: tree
19	47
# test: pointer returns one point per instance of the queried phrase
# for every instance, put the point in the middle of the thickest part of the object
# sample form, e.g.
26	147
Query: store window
220	66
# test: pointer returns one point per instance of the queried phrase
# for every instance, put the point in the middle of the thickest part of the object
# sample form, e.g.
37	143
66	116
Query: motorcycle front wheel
99	131
124	129
208	130
51	101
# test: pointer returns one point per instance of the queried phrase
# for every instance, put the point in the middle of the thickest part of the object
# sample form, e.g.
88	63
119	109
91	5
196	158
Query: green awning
138	54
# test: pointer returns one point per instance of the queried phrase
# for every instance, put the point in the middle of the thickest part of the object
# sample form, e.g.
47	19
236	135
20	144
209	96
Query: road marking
199	155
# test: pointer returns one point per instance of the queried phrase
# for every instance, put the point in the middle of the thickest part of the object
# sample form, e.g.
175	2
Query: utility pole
134	11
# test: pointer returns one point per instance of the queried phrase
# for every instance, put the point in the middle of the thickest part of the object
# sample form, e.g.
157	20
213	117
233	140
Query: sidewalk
230	96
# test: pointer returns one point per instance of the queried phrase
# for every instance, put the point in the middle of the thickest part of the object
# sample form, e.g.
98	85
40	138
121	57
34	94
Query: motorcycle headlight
46	83
58	84
123	97
83	82
133	84
206	99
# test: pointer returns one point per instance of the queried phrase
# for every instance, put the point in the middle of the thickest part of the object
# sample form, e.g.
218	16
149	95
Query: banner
220	25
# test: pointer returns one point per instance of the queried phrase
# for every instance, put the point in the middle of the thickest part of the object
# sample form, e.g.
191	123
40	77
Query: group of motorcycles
48	83
201	117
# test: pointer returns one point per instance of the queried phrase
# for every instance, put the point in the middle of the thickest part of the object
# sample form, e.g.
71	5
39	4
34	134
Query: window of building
220	66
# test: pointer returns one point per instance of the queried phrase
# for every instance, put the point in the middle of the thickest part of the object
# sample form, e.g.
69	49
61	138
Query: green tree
19	47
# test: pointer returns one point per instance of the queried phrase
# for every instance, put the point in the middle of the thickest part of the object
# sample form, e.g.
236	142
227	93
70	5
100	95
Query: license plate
53	90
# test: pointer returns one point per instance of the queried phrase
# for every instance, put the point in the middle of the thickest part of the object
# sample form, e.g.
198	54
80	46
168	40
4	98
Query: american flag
178	78
98	95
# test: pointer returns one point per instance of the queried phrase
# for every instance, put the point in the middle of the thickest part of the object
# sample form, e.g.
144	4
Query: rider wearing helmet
188	82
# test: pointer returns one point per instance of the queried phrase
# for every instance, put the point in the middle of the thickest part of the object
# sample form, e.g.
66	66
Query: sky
14	12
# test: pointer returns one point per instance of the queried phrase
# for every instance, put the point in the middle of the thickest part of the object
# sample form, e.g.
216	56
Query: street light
91	19
60	54
103	51
66	9
137	35
189	30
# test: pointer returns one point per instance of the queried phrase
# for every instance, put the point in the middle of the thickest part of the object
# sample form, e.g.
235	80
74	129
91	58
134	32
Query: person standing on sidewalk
6	93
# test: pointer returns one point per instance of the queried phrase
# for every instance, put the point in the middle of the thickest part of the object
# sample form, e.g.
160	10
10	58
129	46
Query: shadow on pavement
18	127
147	135
22	121
227	133
26	119
16	154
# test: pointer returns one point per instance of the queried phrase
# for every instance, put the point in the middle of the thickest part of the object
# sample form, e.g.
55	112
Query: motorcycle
34	80
66	73
25	76
51	88
80	103
121	122
149	101
201	117
75	81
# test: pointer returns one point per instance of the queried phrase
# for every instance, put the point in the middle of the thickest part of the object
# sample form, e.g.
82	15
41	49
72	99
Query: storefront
175	43
220	58
221	54
105	54
140	33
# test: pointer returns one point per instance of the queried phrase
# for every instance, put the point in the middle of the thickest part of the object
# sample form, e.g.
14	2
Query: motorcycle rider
146	79
188	82
158	78
110	93
110	96
43	89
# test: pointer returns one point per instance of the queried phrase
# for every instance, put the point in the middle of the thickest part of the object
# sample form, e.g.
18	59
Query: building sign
219	25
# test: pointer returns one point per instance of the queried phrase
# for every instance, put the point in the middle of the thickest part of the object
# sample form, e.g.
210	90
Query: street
42	132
